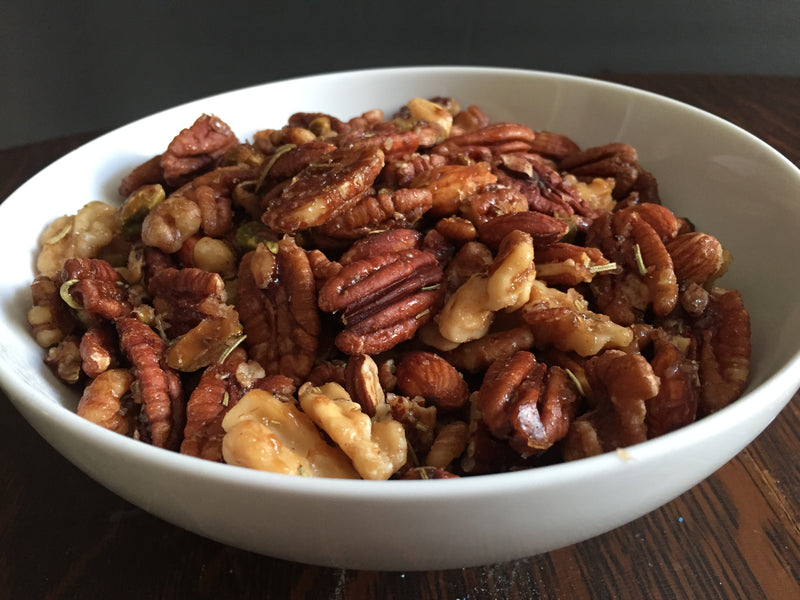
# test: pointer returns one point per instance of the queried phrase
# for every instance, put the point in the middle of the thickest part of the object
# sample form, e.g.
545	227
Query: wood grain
735	536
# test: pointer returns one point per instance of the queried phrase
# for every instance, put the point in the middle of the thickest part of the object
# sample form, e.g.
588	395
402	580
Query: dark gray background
70	67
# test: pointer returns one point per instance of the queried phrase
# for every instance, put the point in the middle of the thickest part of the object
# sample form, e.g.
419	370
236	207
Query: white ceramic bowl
728	182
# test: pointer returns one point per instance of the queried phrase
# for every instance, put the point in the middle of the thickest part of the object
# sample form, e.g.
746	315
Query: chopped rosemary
412	456
61	234
278	153
66	296
227	352
161	327
637	255
576	381
603	268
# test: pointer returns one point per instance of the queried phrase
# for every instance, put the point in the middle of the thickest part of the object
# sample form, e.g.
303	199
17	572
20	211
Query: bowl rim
769	391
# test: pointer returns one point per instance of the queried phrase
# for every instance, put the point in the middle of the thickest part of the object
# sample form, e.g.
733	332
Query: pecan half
527	403
634	237
697	257
492	202
449	185
675	405
219	389
541	185
89	269
280	319
94	287
147	173
429	375
616	160
216	214
380	278
488	141
553	145
159	388
724	349
476	355
655	266
383	299
457	229
101	401
336	182
196	149
399	173
390	137
621	383
394	324
288	160
382	242
183	297
544	229
322	267
385	209
100	299
469	119
362	382
99	349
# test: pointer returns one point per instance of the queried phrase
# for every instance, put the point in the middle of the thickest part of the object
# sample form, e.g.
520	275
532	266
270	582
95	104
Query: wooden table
736	535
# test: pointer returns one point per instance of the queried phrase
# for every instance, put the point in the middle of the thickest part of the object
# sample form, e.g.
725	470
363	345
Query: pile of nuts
429	295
